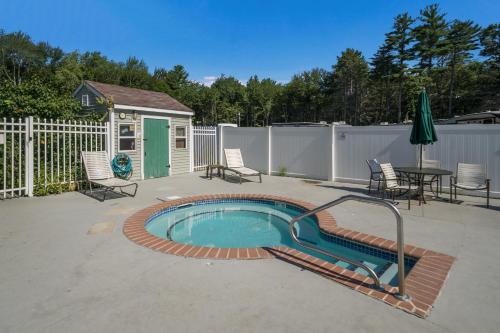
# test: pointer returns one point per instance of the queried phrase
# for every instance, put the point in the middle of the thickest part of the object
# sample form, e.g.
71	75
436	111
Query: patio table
210	170
420	173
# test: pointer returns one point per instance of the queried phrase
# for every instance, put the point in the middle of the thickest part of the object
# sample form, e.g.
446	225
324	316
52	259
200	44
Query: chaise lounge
235	164
99	172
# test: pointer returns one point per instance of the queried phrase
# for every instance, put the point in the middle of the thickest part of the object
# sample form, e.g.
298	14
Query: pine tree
461	40
351	75
399	41
381	75
430	35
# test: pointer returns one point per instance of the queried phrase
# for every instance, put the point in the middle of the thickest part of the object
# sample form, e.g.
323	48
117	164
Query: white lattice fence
57	146
205	146
36	154
14	138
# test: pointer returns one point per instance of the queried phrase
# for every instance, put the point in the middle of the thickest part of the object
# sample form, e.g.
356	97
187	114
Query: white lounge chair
234	163
99	172
470	177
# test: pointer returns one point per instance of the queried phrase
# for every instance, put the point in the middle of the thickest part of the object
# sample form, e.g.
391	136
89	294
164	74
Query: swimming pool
256	223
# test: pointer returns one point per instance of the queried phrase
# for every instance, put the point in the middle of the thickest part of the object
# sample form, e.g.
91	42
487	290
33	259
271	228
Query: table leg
211	172
441	184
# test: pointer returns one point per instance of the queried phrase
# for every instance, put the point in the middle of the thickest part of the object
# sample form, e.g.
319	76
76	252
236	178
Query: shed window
85	100
126	137
180	137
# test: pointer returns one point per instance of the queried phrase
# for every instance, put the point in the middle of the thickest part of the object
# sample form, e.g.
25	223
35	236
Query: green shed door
156	148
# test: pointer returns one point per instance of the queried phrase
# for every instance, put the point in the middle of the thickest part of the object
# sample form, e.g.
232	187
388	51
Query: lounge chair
470	177
234	163
375	174
391	183
98	171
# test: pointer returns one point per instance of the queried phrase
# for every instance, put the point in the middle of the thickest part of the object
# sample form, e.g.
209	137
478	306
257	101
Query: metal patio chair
470	177
99	172
429	179
392	185
375	174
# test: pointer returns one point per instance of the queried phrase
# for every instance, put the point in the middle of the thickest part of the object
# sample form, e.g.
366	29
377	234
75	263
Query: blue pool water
240	223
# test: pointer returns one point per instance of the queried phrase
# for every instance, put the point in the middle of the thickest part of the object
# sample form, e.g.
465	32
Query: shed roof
137	97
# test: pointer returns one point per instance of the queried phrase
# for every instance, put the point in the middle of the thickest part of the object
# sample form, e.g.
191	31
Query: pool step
361	270
390	276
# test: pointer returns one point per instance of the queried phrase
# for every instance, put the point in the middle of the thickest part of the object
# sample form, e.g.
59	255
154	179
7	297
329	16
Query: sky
240	38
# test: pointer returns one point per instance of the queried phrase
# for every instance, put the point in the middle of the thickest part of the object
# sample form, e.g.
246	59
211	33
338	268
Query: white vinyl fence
37	154
339	152
205	146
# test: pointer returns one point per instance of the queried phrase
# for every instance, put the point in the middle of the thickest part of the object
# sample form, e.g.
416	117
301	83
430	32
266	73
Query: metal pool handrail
400	242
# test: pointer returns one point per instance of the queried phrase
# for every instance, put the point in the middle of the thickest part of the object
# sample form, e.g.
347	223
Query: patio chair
235	164
98	171
375	173
470	177
391	183
429	179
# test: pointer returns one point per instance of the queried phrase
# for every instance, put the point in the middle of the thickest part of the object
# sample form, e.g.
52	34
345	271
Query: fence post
269	150
191	145
331	176
111	133
108	139
28	156
220	143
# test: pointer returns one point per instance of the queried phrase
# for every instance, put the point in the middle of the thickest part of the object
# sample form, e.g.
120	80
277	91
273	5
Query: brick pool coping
423	283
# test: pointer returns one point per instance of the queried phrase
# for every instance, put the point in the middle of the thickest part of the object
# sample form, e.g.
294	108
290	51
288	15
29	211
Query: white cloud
208	80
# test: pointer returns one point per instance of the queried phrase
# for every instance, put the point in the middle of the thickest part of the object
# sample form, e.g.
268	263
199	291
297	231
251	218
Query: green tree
382	75
490	41
230	99
69	73
490	77
399	40
135	74
430	36
18	56
97	67
34	98
350	79
461	40
261	99
170	81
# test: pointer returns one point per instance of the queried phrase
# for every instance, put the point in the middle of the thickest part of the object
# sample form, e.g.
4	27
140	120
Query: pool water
243	223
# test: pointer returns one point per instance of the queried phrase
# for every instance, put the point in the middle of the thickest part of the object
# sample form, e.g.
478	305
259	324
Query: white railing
13	162
57	146
35	154
205	146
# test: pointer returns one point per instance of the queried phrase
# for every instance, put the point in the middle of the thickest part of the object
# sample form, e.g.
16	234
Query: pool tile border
424	282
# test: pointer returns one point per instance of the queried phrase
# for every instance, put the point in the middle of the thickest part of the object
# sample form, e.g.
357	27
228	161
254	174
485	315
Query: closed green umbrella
423	132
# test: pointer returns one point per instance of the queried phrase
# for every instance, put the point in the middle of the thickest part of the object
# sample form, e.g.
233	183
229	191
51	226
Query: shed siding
179	158
137	154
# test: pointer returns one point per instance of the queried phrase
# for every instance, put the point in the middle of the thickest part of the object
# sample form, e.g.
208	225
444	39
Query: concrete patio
58	277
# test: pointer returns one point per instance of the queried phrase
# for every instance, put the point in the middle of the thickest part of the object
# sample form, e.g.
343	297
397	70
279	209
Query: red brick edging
423	283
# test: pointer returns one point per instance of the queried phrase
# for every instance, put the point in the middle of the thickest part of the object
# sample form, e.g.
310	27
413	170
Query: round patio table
420	173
